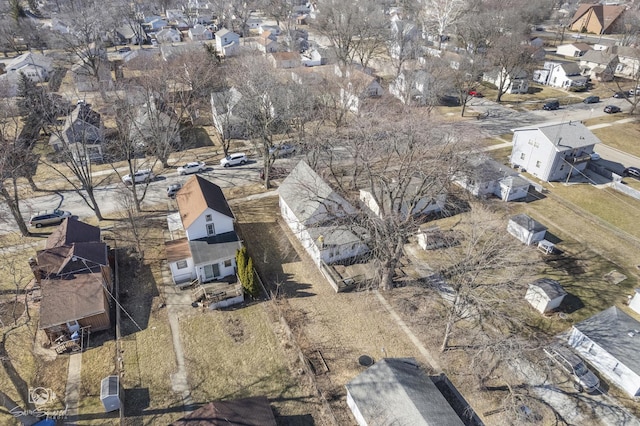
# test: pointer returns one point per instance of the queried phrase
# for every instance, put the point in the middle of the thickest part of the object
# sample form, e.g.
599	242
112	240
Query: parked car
611	109
48	218
591	100
173	189
283	150
574	366
632	172
193	167
634	92
234	159
144	175
621	95
578	36
274	173
124	49
595	156
552	105
475	94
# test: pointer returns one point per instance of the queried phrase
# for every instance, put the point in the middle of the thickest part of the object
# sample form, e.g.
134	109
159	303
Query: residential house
573	50
356	87
403	39
599	65
553	151
127	34
227	42
82	135
284	60
229	125
200	33
154	123
313	211
526	229
272	29
483	177
252	411
33	65
565	75
629	61
312	58
604	44
411	201
610	342
168	35
516	81
545	295
207	251
396	391
268	42
411	87
596	18
93	70
175	14
75	279
154	24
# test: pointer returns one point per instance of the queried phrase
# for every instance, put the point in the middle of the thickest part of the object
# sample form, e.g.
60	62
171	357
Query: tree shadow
196	137
136	292
570	304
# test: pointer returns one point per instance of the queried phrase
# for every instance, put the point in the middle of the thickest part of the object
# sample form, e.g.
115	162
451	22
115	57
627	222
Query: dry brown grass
621	136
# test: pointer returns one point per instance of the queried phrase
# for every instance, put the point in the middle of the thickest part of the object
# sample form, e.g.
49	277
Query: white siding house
554	151
227	42
610	342
565	75
545	295
525	229
309	207
484	177
33	65
516	81
573	50
411	204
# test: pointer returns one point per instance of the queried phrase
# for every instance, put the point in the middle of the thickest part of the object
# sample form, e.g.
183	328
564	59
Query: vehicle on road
144	175
595	156
577	36
632	172
193	167
611	109
283	150
591	100
551	106
574	366
621	95
234	159
124	50
173	189
48	218
475	94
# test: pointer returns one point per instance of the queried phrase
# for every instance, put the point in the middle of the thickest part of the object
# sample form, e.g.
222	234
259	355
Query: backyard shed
526	229
545	294
634	303
110	393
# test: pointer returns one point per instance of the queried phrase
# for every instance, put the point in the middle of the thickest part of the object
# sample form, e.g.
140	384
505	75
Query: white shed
526	229
634	303
110	393
545	294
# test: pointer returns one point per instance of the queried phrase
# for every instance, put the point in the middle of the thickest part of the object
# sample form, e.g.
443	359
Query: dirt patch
233	327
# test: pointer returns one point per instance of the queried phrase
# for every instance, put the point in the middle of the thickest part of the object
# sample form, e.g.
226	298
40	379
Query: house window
181	264
615	368
522	156
538	163
227	263
208	218
211	229
591	349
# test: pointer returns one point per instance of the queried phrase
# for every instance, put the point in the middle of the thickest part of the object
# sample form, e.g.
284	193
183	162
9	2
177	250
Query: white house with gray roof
395	391
315	213
610	342
565	75
484	176
553	151
599	65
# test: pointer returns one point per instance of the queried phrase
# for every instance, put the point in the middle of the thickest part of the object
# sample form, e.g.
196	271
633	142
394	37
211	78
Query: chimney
33	263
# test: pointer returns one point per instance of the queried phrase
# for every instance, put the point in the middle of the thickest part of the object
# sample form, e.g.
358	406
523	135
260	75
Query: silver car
48	218
574	366
144	175
234	159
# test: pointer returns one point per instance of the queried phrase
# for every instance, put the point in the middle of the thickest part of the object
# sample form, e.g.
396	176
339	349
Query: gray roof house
484	177
313	211
553	151
610	342
565	75
515	81
33	65
82	134
395	391
599	65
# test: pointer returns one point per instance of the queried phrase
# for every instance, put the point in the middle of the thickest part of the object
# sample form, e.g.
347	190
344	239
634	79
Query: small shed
526	229
634	303
545	294
110	393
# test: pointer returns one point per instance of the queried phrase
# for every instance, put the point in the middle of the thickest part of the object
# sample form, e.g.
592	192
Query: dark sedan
611	109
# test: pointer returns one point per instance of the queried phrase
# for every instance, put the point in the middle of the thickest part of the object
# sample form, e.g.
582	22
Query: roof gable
565	136
196	196
254	411
551	288
72	231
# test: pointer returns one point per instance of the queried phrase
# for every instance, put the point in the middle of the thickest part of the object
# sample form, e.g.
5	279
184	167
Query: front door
211	271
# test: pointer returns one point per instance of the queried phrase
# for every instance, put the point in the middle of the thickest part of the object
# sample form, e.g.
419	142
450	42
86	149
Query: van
551	106
574	366
48	218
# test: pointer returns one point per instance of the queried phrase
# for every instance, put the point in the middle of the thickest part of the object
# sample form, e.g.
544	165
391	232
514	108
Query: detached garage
526	229
545	295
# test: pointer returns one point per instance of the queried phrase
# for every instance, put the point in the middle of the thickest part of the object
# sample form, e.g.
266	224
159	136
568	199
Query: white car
283	150
193	167
144	175
572	364
234	160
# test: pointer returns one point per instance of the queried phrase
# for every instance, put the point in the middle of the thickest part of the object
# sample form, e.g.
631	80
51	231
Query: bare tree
441	15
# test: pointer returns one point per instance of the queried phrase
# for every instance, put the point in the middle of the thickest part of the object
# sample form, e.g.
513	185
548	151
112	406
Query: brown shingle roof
68	300
254	411
72	231
196	196
605	14
72	258
177	249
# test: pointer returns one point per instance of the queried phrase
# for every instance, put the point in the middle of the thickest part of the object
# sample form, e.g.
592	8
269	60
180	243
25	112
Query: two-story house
75	279
82	134
565	75
514	81
208	249
412	87
599	65
554	151
227	42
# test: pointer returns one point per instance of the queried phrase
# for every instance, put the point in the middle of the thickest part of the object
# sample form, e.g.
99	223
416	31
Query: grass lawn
621	136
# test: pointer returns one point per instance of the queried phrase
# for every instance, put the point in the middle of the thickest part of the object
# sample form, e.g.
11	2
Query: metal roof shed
110	393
